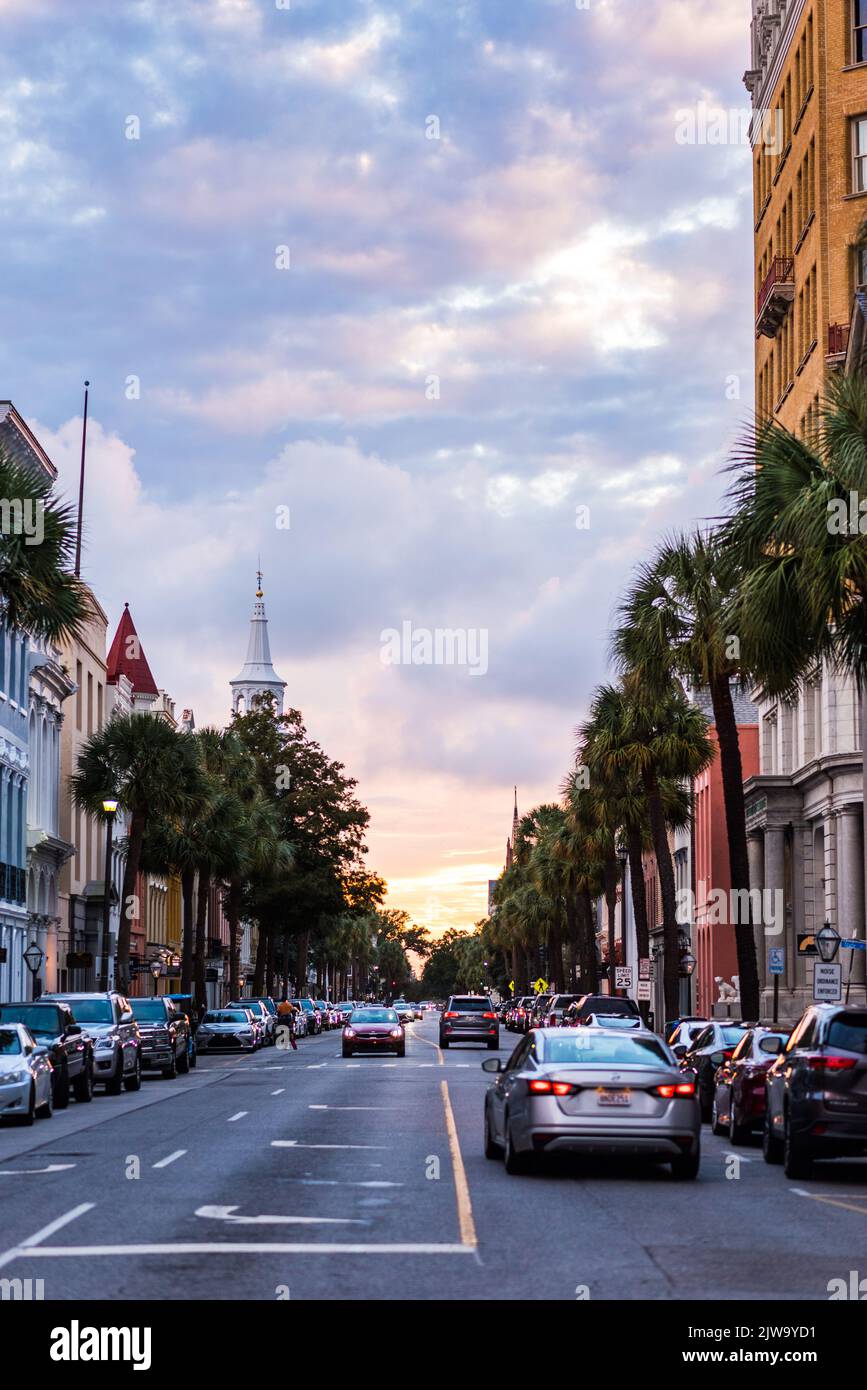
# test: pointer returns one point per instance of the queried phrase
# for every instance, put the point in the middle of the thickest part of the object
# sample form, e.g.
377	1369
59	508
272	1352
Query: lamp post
827	942
33	958
109	806
623	856
156	971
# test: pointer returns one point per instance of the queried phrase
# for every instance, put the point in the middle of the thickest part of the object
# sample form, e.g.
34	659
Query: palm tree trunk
201	927
639	892
261	959
555	955
129	905
301	961
588	983
572	938
285	965
665	869
233	912
269	968
736	829
611	913
187	879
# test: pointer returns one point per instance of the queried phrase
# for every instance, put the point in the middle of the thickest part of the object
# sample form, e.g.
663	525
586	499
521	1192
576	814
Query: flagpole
81	486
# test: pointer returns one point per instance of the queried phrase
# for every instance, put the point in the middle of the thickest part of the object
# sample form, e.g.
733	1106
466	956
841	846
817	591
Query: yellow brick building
808	83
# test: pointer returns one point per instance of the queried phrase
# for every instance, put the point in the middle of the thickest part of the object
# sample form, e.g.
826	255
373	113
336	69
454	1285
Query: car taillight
552	1088
489	1015
821	1061
450	1015
678	1088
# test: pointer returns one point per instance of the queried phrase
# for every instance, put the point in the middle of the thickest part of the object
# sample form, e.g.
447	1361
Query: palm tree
653	737
674	622
154	771
39	592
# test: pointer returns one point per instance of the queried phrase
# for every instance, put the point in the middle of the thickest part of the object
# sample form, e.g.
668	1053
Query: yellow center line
418	1038
462	1191
838	1202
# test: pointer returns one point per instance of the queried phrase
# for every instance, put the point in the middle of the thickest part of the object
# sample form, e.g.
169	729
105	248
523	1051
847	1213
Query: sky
437	308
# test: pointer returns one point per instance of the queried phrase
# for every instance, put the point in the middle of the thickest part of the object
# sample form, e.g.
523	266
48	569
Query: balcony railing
775	295
838	341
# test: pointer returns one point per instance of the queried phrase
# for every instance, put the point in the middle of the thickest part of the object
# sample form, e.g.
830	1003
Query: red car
374	1030
739	1083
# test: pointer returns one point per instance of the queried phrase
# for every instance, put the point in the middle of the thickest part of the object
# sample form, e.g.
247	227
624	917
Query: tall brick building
808	82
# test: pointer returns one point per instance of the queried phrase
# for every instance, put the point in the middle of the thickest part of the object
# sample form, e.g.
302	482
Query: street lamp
156	971
827	942
109	806
687	964
33	958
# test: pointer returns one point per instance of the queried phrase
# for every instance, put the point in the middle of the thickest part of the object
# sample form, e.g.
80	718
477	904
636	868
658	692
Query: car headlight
395	1032
104	1044
349	1032
14	1078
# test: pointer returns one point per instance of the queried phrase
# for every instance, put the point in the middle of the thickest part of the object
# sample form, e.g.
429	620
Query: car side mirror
73	1030
679	1050
492	1064
40	1051
717	1058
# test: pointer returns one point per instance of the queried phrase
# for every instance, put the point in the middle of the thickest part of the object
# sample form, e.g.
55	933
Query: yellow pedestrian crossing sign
540	985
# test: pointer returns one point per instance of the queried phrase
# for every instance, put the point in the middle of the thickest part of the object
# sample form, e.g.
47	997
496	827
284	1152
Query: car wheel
772	1148
686	1166
115	1085
797	1159
444	1042
47	1109
184	1062
347	1051
517	1163
60	1087
133	1083
492	1150
738	1133
82	1087
715	1126
401	1052
171	1071
493	1044
30	1115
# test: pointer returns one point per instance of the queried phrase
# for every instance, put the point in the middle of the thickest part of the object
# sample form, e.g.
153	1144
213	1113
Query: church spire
257	676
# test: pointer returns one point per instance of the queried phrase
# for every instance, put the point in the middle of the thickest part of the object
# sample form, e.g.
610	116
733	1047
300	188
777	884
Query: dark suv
164	1036
469	1018
69	1047
587	1004
816	1090
108	1019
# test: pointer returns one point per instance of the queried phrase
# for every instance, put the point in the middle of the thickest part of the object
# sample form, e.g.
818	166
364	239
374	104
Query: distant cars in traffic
708	1050
224	1030
739	1084
70	1049
586	1005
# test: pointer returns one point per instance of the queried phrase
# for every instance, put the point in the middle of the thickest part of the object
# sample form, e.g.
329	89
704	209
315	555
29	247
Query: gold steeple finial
259	593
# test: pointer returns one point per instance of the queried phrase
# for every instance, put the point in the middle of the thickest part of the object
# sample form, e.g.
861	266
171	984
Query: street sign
643	989
623	977
828	982
853	945
777	960
540	985
512	986
644	968
807	944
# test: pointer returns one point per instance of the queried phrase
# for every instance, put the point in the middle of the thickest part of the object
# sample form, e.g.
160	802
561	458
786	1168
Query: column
775	868
756	856
850	889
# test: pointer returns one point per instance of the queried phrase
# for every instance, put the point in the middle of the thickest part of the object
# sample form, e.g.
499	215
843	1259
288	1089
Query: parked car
313	1015
557	1008
26	1075
673	1024
108	1018
685	1033
227	1030
164	1036
267	1021
739	1083
186	1004
373	1029
714	1045
469	1018
520	1015
587	1004
325	1012
816	1090
591	1091
628	1022
70	1049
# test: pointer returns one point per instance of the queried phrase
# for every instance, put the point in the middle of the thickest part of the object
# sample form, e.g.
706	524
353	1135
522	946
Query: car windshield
374	1016
849	1032
347	1004
472	1005
730	1036
595	1050
10	1042
148	1010
619	1021
226	1016
91	1010
41	1019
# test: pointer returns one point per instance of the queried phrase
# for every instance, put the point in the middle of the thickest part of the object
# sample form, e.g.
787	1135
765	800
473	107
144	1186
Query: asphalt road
305	1176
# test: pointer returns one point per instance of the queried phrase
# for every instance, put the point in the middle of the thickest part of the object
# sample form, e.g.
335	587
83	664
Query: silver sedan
25	1075
595	1091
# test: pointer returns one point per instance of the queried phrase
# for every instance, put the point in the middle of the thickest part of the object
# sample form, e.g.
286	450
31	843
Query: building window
861	267
859	155
859	31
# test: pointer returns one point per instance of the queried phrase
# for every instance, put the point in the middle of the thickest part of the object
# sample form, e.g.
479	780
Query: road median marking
466	1224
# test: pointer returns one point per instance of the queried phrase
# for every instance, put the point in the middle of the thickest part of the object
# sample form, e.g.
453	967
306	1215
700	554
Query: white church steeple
257	675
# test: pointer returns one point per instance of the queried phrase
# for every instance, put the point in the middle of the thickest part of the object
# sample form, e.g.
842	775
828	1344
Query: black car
164	1036
69	1047
816	1105
587	1004
469	1018
713	1046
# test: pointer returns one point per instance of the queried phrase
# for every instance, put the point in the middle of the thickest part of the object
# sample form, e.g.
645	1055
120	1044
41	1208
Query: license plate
615	1098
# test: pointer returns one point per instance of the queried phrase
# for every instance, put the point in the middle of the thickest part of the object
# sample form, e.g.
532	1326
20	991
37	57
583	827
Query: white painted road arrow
226	1214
